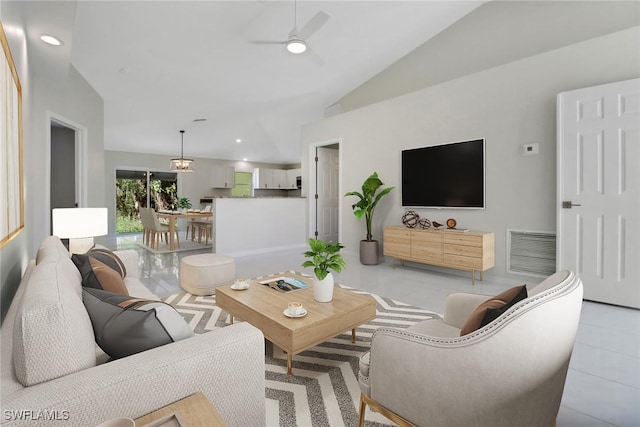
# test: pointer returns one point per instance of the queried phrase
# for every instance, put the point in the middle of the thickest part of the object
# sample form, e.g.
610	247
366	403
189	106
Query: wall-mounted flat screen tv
444	176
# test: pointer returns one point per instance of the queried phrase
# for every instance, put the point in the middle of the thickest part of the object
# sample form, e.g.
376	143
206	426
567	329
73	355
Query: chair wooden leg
366	400
363	409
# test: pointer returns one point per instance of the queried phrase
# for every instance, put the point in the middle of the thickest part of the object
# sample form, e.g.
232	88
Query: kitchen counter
210	199
254	225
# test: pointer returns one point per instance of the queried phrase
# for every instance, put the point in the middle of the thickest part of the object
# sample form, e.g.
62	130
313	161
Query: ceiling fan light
296	46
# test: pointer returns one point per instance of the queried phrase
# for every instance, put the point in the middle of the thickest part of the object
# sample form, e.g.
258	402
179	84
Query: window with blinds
531	252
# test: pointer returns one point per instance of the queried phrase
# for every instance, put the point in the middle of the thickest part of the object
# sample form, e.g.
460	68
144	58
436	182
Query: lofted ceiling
161	65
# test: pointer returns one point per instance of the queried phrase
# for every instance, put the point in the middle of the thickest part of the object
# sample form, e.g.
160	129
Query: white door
599	190
327	197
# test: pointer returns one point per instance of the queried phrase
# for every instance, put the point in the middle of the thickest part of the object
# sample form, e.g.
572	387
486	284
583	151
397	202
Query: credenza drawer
462	262
465	239
469	251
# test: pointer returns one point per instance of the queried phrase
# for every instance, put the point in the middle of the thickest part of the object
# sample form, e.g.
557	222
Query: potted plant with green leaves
184	203
324	257
365	207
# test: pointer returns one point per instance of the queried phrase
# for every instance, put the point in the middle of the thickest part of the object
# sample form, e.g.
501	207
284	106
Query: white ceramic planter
323	289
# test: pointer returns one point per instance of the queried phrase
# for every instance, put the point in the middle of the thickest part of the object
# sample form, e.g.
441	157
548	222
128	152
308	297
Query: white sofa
54	374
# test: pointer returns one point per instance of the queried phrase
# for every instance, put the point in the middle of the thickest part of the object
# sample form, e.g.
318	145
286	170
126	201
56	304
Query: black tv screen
444	176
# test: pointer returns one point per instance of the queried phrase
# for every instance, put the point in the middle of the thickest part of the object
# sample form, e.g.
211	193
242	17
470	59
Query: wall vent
531	252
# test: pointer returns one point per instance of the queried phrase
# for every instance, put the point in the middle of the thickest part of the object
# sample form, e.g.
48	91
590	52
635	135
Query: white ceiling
160	65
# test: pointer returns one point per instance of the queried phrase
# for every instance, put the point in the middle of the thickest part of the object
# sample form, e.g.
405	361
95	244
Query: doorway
599	190
137	189
326	189
67	165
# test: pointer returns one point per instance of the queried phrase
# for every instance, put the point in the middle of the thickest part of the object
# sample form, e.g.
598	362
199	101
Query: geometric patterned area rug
324	389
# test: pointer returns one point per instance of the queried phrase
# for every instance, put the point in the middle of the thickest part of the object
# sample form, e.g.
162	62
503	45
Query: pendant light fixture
181	164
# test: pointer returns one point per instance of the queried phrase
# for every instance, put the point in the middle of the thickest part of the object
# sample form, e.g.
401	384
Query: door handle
569	205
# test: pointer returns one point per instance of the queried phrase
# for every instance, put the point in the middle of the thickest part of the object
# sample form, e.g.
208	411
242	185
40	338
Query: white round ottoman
202	274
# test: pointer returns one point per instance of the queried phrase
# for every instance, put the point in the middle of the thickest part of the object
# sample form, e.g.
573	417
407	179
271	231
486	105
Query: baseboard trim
261	251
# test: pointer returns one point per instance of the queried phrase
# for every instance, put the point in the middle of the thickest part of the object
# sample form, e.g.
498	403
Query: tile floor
603	383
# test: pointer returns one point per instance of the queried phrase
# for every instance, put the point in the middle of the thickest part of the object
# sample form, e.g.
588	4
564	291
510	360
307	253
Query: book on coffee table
285	284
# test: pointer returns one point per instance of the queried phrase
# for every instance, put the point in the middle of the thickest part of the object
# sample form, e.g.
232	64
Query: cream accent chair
509	373
156	230
146	226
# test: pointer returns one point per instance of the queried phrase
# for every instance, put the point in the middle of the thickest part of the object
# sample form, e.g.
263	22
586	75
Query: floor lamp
80	226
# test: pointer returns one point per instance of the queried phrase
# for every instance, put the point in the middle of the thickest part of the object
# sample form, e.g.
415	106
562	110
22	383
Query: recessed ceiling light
244	159
50	40
238	140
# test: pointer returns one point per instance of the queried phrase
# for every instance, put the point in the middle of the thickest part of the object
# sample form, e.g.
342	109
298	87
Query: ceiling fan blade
314	24
267	42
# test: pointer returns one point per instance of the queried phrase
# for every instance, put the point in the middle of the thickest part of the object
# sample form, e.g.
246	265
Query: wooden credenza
463	250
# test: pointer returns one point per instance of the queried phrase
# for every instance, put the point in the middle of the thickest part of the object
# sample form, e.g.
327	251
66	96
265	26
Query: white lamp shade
79	223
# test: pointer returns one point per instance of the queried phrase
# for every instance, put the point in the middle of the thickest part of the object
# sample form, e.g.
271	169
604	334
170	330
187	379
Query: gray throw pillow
125	325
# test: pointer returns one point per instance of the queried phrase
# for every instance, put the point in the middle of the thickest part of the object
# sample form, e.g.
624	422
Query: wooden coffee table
263	307
194	410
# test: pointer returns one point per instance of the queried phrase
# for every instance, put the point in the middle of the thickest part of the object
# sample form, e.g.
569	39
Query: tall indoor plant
324	257
366	206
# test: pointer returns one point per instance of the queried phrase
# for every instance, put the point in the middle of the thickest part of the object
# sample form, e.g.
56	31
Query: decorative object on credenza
181	164
424	223
324	257
369	198
451	223
436	224
410	219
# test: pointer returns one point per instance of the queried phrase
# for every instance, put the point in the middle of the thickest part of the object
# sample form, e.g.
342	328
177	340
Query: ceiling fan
296	43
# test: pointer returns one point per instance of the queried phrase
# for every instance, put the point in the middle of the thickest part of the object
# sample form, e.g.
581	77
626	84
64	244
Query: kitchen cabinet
262	178
274	179
279	179
223	177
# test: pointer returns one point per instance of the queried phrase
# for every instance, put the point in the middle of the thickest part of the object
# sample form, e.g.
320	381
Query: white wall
509	105
49	85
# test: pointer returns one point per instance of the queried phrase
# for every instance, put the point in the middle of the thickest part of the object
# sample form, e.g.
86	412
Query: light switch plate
530	149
